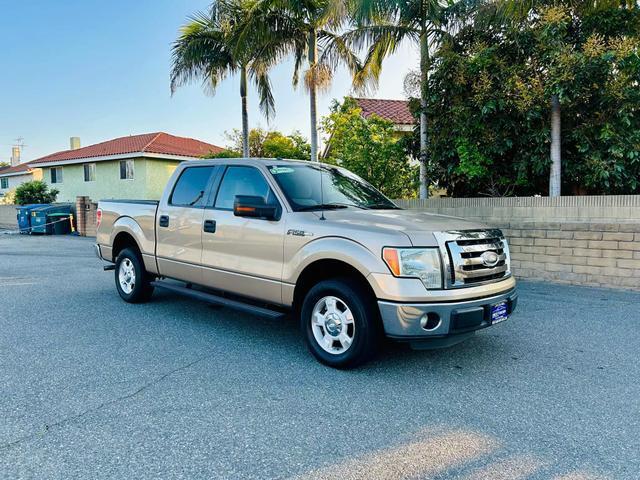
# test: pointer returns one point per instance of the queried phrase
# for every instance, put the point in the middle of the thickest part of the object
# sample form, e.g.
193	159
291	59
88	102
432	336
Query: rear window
191	187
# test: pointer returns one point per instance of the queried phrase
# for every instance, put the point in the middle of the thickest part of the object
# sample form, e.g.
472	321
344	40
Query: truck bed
138	215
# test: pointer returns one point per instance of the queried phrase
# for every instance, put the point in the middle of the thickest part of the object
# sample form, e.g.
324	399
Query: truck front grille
467	263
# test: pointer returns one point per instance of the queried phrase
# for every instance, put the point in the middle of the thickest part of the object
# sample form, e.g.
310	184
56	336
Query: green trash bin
61	223
42	220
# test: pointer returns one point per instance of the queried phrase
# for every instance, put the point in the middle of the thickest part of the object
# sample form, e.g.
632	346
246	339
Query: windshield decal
278	170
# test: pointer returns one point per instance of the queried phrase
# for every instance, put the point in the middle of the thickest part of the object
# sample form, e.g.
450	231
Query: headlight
422	263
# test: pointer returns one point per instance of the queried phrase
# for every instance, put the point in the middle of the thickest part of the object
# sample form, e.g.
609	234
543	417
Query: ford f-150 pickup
272	236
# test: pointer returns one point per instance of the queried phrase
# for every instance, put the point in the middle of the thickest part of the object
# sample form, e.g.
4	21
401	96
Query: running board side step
218	300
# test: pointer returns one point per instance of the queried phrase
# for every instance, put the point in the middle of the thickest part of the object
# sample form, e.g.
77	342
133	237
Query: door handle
164	221
210	226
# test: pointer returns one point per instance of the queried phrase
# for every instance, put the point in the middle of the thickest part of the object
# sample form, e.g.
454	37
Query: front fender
328	248
333	248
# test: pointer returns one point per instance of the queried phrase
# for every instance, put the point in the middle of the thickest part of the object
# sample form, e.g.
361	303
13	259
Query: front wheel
340	323
133	282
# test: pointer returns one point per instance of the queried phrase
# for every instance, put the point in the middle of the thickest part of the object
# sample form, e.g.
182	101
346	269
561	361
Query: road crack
49	426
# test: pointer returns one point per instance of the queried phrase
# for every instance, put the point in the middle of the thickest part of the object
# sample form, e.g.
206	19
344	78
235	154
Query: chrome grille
463	251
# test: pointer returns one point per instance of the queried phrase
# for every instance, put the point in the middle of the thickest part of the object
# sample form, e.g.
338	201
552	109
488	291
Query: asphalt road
91	387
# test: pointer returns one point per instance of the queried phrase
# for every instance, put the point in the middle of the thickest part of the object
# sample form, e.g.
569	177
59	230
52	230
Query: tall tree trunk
555	176
245	112
424	86
313	107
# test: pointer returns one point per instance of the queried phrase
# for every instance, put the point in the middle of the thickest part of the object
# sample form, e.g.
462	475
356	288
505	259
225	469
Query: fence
580	240
8	216
604	208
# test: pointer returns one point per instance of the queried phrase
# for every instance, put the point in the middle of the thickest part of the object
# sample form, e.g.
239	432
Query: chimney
74	142
15	156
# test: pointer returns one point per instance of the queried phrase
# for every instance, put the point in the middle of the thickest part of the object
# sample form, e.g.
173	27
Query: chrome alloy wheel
127	276
333	325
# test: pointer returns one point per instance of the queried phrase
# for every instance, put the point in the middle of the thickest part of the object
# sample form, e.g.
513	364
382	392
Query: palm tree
208	49
382	25
307	30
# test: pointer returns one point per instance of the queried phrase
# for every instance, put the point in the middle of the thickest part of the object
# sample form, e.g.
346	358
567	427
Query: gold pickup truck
272	236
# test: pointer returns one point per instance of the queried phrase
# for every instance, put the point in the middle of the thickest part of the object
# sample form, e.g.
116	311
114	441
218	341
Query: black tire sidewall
365	318
142	289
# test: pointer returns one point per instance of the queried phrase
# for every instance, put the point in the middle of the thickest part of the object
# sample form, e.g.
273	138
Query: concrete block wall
580	253
592	241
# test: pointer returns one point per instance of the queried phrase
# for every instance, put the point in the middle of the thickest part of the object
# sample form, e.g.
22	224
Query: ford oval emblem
490	259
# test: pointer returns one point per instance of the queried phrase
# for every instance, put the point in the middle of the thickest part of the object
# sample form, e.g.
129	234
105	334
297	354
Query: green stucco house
137	166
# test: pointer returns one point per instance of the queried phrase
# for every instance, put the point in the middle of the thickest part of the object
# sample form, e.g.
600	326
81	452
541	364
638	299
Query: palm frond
200	52
334	50
383	40
263	85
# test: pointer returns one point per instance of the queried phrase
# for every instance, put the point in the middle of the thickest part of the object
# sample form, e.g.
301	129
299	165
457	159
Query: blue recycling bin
42	219
24	216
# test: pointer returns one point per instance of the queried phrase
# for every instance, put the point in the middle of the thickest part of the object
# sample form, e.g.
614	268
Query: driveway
91	387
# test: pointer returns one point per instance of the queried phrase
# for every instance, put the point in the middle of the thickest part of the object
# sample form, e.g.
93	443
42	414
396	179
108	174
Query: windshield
340	188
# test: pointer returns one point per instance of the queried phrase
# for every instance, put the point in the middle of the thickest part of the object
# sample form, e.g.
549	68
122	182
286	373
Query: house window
126	169
89	172
4	183
56	175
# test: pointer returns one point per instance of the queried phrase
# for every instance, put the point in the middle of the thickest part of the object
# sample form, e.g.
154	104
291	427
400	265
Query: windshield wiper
382	206
326	206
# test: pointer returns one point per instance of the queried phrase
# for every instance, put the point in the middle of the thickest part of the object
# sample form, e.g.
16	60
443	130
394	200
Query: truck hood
417	225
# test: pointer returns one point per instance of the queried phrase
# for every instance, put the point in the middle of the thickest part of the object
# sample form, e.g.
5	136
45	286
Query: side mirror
255	207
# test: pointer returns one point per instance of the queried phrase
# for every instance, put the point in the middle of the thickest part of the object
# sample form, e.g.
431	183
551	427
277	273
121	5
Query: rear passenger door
243	255
179	224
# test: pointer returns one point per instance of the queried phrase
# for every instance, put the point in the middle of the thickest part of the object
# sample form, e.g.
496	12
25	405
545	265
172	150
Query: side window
89	172
191	187
242	181
126	169
56	174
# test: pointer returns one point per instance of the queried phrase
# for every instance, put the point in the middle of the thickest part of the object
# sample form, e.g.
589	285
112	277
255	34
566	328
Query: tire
129	263
334	312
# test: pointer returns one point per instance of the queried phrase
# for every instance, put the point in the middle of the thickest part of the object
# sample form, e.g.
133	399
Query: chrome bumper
405	321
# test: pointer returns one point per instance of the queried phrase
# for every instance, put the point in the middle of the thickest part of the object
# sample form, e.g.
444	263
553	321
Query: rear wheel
340	323
133	282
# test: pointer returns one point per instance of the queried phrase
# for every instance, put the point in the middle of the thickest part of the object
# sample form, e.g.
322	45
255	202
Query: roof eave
106	158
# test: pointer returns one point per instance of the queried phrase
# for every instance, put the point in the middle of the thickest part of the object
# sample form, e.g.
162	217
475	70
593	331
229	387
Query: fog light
430	321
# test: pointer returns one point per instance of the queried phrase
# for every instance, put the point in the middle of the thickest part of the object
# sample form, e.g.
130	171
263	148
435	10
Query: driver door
244	255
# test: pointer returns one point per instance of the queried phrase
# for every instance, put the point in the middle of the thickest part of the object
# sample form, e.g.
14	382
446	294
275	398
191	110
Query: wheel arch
122	240
326	269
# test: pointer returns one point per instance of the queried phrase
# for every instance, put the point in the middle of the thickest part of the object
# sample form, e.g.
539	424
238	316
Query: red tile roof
23	167
396	111
159	142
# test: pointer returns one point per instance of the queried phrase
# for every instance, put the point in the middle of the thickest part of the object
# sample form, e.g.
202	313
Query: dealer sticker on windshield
499	313
279	170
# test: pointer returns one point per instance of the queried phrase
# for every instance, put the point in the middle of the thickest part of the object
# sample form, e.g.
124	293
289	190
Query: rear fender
145	241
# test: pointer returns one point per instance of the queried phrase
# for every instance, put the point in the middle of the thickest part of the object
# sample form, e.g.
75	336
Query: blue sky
99	70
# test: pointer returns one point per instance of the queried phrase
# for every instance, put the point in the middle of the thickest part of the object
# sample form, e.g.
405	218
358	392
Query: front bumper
402	321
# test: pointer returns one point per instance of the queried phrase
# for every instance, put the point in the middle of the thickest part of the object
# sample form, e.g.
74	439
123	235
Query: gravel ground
91	387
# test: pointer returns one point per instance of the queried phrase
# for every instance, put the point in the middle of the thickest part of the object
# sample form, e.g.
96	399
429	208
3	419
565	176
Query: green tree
270	144
370	148
560	32
208	49
382	25
35	191
307	29
491	93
